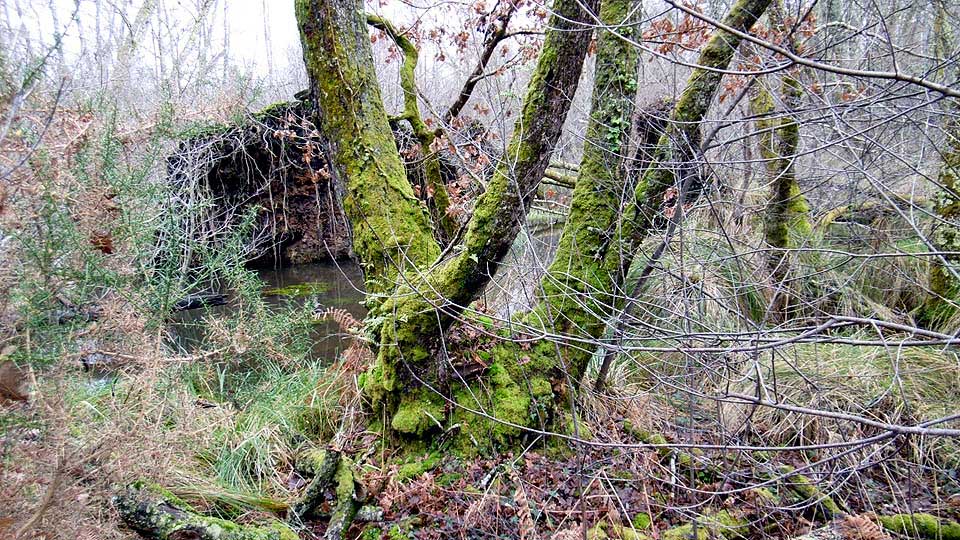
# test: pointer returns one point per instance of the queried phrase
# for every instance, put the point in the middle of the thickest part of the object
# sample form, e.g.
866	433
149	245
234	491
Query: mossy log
156	513
710	525
688	461
919	525
870	211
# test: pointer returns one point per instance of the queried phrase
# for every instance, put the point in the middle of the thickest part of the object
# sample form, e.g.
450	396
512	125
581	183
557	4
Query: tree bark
437	198
786	220
405	377
578	291
391	229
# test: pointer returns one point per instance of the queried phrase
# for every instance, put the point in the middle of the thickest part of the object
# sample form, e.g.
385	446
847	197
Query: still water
329	284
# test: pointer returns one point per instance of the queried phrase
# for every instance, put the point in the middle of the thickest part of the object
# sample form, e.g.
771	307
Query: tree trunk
407	383
579	289
405	378
787	214
391	229
787	217
674	162
942	302
436	197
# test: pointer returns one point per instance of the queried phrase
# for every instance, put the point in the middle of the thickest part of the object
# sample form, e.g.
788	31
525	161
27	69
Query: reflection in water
515	287
328	285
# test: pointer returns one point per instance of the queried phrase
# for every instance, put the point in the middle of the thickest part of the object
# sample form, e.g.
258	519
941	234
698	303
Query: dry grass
893	385
81	439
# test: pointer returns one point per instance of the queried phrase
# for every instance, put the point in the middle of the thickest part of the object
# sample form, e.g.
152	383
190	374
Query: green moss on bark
787	215
578	289
926	526
437	198
156	513
941	305
417	313
391	230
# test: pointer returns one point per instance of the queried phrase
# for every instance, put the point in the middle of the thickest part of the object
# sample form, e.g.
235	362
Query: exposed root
334	482
808	492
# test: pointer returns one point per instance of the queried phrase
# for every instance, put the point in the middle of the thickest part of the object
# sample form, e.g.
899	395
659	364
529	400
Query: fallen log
156	513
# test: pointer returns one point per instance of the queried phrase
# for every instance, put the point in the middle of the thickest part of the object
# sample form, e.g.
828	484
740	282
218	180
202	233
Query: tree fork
417	314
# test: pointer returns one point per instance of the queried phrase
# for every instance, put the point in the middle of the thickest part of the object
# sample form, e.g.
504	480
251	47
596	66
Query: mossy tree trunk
409	376
580	286
673	163
786	220
406	377
437	198
678	153
391	229
787	214
600	237
525	384
941	304
387	221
